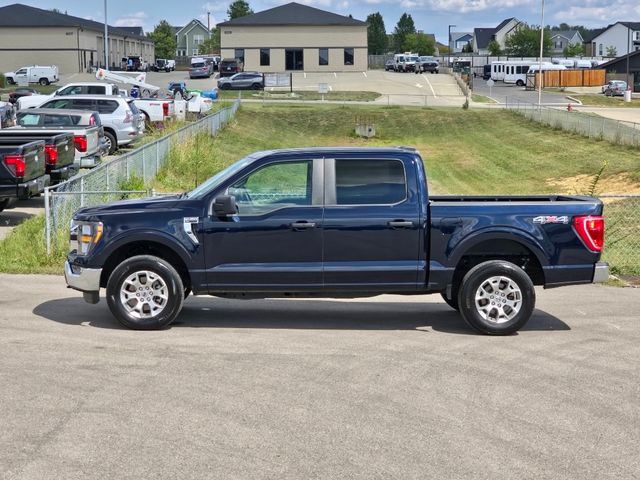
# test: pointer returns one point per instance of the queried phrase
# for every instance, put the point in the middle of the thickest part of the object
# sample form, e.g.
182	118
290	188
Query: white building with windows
621	37
296	37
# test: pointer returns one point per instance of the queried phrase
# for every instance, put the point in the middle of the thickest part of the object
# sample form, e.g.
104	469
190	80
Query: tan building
32	36
296	37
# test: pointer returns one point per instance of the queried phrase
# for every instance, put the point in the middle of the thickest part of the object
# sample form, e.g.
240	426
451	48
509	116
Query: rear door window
82	104
57	120
96	90
59	103
28	119
106	106
370	182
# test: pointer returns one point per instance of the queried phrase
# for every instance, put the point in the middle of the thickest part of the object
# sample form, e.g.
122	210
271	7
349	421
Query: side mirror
224	205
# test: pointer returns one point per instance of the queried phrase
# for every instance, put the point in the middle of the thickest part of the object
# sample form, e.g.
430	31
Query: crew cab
333	222
22	172
58	151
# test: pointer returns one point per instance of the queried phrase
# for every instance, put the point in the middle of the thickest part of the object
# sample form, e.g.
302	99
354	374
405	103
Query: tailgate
66	150
30	157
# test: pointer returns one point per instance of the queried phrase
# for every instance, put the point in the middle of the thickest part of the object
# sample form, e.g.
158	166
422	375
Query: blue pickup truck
333	222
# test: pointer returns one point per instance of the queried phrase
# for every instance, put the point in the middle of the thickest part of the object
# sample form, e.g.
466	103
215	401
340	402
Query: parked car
427	64
22	172
389	65
22	92
230	66
615	88
333	222
120	120
58	151
69	119
200	68
163	65
242	81
44	75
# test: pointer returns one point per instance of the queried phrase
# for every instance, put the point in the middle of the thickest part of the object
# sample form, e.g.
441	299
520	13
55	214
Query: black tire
113	143
256	86
4	204
514	288
166	279
226	86
44	82
11	81
453	301
520	83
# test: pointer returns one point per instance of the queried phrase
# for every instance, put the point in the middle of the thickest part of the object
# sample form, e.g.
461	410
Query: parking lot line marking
335	74
430	86
365	74
305	74
419	85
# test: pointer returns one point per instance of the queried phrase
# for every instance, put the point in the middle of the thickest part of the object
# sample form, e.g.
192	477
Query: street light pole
628	52
541	52
106	38
450	48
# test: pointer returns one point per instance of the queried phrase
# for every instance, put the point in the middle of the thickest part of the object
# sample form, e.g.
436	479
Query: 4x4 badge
544	219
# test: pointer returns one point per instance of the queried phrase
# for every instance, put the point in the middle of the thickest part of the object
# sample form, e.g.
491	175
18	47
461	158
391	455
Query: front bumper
601	272
82	279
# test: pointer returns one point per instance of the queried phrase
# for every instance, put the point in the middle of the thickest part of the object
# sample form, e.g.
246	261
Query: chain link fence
108	181
622	233
588	125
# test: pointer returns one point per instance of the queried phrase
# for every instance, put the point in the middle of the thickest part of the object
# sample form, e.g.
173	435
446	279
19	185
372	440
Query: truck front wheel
496	297
145	293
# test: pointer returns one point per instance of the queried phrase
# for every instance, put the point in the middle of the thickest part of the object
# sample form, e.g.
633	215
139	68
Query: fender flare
150	236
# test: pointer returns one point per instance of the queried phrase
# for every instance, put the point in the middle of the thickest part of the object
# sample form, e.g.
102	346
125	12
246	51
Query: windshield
413	59
220	177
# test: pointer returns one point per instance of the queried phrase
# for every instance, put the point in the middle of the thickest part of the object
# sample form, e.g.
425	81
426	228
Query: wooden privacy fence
568	78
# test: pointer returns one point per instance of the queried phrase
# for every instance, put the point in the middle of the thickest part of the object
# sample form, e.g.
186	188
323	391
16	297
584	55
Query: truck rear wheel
44	82
496	297
145	293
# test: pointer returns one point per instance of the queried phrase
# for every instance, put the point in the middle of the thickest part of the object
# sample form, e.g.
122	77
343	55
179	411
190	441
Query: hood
143	205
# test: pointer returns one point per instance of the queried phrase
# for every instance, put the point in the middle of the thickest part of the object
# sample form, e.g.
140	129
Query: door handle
303	225
400	224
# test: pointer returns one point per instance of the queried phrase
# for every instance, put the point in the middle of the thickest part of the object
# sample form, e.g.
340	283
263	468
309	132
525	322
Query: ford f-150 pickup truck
22	172
333	222
58	152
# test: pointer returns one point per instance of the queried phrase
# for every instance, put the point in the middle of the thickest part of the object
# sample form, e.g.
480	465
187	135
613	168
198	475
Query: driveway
389	387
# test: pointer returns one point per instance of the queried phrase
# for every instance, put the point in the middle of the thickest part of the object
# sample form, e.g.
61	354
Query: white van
44	75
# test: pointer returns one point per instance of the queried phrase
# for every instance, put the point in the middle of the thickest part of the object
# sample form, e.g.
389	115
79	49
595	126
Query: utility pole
106	38
541	52
450	42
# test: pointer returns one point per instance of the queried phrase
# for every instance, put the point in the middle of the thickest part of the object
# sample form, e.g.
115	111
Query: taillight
16	164
50	155
165	109
591	230
80	142
128	116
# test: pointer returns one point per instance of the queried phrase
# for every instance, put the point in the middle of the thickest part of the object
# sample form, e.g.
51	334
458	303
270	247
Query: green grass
466	152
481	99
301	95
599	100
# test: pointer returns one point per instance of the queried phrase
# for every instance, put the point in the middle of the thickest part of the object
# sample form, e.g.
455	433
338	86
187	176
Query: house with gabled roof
619	37
33	36
296	37
189	37
564	38
482	36
459	40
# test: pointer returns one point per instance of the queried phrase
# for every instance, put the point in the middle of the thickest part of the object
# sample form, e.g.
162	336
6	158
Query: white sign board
490	83
323	88
277	80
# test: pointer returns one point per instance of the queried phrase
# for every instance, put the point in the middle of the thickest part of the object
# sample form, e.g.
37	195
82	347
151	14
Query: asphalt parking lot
389	387
503	93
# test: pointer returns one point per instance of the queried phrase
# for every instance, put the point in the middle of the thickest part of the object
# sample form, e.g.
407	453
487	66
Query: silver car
120	119
242	81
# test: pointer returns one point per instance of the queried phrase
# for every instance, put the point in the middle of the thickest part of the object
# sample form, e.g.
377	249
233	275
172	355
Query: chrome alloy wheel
498	299
144	294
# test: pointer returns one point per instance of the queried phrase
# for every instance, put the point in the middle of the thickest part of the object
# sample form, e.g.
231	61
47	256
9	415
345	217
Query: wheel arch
146	244
514	246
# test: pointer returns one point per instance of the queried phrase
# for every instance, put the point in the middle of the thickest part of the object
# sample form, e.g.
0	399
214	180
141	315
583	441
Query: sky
430	16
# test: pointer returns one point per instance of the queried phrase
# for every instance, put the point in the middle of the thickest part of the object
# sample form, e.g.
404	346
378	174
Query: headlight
84	235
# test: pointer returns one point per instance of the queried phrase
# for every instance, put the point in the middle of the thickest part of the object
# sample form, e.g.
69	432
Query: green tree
494	48
468	48
212	44
377	39
575	50
164	39
525	42
404	27
238	8
611	51
419	43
